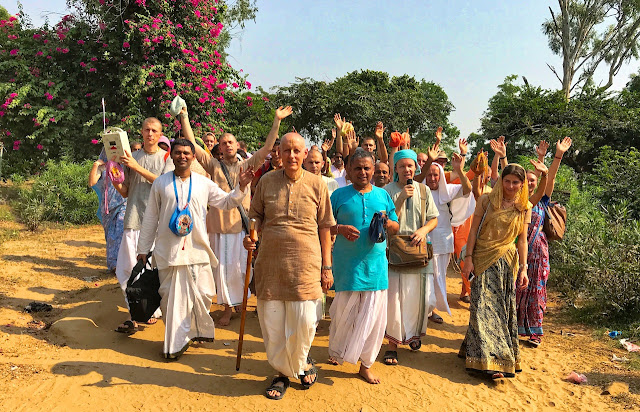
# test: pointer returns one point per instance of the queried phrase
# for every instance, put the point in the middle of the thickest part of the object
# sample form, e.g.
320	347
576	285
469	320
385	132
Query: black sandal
127	327
389	356
415	345
312	370
278	388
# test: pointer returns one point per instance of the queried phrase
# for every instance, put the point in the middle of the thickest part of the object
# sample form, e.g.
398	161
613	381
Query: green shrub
59	194
597	264
617	175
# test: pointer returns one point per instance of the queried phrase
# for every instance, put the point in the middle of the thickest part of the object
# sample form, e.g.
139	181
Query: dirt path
79	363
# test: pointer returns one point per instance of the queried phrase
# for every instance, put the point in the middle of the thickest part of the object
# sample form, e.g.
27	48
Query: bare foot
152	321
368	375
226	316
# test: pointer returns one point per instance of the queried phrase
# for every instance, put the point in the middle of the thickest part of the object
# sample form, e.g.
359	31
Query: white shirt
441	236
331	183
338	173
194	248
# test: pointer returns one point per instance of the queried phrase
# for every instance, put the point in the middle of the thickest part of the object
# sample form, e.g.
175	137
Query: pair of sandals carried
282	389
391	356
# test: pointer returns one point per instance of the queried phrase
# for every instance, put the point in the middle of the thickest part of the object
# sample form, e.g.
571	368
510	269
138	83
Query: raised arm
541	170
281	113
383	156
457	162
561	148
432	154
326	146
201	154
500	149
541	151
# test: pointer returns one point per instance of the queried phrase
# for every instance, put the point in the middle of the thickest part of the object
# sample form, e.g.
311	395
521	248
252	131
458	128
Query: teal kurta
361	265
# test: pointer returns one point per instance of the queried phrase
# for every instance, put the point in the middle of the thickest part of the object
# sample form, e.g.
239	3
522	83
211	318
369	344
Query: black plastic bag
142	291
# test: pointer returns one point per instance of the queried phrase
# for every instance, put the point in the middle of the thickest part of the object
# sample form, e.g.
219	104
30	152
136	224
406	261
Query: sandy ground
71	359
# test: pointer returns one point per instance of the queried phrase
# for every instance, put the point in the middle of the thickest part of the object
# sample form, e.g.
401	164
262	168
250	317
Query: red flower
81	42
149	98
39	147
13	52
126	45
169	83
95	141
248	85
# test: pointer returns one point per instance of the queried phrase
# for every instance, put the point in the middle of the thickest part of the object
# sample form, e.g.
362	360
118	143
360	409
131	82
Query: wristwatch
327	267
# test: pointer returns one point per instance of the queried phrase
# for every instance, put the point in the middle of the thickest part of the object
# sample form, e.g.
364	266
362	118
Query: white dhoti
288	329
440	264
127	258
411	297
232	265
187	293
358	321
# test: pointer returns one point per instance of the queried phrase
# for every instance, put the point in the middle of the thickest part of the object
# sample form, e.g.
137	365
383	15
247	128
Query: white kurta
358	321
454	208
184	262
338	173
332	184
288	329
232	265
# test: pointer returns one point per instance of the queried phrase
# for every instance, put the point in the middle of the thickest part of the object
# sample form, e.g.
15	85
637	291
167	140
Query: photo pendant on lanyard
181	222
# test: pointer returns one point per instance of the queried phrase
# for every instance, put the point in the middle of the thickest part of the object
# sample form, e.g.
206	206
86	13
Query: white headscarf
461	207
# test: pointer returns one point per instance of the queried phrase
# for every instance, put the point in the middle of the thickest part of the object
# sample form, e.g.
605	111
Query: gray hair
360	153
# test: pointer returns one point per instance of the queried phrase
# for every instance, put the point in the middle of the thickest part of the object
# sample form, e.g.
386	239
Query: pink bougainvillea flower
95	141
1	113
169	83
265	99
167	115
37	36
39	147
13	95
221	100
48	96
87	95
13	52
51	84
234	84
93	69
93	59
81	42
39	53
126	45
249	98
83	64
248	85
53	119
149	98
222	86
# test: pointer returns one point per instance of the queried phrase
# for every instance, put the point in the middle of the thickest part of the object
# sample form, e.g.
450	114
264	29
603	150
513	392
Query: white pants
440	264
358	320
187	293
288	329
232	266
411	297
127	259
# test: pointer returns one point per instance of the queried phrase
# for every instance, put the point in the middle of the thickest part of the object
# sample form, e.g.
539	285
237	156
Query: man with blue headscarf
411	293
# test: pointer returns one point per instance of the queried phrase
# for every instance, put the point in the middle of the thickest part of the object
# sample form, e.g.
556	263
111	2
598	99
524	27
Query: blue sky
467	47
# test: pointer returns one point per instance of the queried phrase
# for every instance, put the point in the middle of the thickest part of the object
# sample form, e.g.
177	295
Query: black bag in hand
377	233
142	291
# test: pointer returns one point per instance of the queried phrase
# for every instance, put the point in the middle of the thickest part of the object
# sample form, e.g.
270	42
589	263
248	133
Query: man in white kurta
184	262
455	204
225	227
314	163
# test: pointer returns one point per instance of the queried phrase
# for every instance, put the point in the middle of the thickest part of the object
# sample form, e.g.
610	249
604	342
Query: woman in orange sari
500	265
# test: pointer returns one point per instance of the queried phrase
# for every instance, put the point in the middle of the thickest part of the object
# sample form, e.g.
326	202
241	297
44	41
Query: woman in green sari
500	266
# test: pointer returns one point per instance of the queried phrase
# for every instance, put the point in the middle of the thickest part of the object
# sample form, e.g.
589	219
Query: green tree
366	97
582	34
137	54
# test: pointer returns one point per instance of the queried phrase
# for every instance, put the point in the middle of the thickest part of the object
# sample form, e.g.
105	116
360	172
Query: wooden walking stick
247	278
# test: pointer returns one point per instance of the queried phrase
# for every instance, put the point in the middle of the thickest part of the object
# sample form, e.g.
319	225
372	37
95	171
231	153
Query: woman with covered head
411	294
500	266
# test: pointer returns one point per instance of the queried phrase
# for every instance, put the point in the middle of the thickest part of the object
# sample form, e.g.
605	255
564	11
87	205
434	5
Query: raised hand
439	135
464	147
457	162
282	112
563	146
337	119
406	137
432	153
352	140
333	133
540	166
498	146
379	130
245	177
328	144
541	149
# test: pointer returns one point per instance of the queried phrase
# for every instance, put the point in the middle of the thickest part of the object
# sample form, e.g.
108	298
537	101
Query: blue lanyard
175	190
